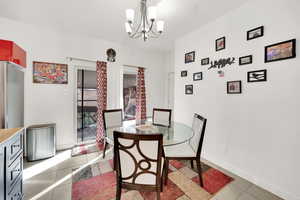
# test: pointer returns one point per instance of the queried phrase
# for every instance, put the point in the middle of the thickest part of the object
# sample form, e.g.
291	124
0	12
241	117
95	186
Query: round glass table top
175	134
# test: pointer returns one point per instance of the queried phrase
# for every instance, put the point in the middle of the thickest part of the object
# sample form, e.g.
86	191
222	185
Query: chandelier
145	26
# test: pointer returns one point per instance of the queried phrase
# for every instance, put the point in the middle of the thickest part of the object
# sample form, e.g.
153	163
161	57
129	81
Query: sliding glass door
86	105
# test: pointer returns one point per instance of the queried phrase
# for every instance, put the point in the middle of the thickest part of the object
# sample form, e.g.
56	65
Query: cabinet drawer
14	147
14	172
17	191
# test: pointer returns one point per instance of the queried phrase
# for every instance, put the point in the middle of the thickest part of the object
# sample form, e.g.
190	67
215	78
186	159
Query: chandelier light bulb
152	13
160	26
130	15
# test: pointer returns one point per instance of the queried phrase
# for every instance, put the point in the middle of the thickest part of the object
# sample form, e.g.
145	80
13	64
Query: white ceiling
105	18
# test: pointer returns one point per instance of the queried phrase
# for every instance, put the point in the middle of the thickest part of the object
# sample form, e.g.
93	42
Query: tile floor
52	180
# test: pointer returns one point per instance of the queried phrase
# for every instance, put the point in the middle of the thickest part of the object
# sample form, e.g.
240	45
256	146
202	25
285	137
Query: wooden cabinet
11	165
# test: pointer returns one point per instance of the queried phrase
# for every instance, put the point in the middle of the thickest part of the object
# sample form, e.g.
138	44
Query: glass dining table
177	133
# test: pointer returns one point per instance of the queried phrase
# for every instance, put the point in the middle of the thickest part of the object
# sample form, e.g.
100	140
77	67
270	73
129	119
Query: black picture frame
260	28
244	57
239	91
224	43
195	78
187	59
293	51
205	61
183	73
261	75
189	90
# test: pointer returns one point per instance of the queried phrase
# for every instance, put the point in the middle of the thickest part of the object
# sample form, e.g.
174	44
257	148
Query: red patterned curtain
140	96
101	98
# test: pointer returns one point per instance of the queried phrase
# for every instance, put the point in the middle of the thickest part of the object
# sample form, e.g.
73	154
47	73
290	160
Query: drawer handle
18	194
14	171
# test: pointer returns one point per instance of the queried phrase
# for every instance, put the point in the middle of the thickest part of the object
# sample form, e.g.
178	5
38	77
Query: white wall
254	134
55	103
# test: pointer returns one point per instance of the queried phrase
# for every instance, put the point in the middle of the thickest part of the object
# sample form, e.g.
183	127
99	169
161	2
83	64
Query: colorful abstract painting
50	73
280	51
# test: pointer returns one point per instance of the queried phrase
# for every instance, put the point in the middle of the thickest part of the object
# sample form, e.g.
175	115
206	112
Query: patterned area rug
86	148
98	182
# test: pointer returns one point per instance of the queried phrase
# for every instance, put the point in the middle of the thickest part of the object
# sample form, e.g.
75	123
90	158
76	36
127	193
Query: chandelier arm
151	26
137	35
155	33
136	30
154	36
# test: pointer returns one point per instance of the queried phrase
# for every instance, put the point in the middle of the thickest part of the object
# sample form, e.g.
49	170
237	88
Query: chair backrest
112	118
161	117
139	158
199	125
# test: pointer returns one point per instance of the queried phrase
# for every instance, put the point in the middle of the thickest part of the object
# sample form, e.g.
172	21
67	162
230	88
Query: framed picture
234	87
189	57
189	89
245	60
255	33
280	51
205	61
220	44
257	76
197	76
183	73
50	73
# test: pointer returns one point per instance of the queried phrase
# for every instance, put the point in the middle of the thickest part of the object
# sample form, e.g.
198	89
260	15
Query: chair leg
162	180
192	164
104	150
158	195
166	171
118	194
199	172
114	163
162	177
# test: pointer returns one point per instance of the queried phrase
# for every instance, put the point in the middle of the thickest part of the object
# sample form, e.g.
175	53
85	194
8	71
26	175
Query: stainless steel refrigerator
11	95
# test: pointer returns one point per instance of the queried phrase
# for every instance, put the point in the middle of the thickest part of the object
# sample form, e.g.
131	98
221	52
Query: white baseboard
64	146
257	181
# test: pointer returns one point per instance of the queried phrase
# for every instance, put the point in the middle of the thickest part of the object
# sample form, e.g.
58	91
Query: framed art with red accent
234	87
50	73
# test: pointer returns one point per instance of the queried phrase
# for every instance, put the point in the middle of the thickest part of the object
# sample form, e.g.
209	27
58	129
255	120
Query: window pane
129	96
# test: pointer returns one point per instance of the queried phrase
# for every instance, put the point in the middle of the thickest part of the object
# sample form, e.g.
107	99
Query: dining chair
190	150
161	117
111	118
139	162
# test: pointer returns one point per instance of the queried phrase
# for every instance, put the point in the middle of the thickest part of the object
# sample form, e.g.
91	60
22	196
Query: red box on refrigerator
10	51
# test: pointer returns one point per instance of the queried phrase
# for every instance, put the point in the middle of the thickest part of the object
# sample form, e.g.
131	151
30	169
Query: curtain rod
87	60
134	66
80	59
